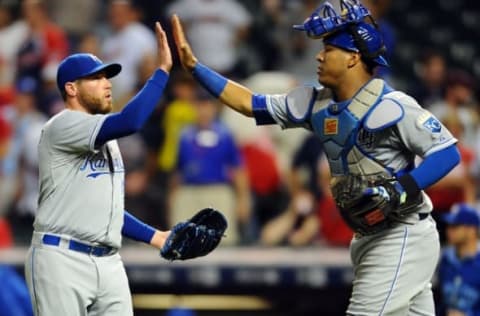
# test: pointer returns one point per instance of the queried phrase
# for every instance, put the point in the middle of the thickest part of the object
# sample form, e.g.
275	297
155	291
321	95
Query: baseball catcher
370	134
195	237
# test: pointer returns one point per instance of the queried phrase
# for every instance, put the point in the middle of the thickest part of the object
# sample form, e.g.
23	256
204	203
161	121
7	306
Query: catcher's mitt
369	207
196	237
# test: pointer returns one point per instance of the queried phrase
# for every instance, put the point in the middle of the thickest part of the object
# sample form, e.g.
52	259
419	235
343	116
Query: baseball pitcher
73	266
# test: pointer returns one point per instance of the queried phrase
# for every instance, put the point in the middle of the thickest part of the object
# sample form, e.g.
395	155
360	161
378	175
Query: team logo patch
330	126
433	125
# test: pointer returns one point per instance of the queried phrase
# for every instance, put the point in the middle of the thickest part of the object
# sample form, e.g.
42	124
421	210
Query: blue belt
98	251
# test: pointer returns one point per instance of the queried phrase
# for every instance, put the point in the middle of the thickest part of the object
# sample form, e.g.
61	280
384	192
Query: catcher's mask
353	30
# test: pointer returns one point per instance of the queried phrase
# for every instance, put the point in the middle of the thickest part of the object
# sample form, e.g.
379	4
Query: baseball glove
195	237
371	206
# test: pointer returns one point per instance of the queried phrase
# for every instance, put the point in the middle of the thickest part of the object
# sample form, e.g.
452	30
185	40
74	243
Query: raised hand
184	50
164	55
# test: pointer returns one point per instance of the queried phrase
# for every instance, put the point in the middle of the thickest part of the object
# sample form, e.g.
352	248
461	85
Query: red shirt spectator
332	227
443	195
5	232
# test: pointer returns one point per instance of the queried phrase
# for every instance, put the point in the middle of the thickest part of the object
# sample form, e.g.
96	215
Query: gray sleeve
294	108
74	131
421	132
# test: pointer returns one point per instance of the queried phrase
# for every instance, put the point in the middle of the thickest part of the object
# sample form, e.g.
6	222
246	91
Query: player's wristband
134	229
209	79
260	111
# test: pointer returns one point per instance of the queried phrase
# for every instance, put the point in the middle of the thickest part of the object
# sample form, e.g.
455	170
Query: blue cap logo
82	65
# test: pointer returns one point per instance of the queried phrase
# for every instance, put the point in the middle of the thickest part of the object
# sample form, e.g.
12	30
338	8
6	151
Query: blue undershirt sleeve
136	112
260	111
135	229
435	166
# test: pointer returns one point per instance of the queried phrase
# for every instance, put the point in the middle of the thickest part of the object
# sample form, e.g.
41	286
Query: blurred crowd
195	153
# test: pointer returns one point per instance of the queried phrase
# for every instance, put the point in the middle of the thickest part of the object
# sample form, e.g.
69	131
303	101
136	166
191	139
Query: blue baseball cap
82	65
462	214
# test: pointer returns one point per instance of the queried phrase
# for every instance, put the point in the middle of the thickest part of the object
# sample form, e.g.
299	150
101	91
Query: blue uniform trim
33	282
260	111
135	113
405	170
397	271
99	251
436	166
51	240
209	79
387	88
135	229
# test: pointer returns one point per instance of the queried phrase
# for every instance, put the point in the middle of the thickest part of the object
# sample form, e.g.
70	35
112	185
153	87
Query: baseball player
73	266
371	134
460	263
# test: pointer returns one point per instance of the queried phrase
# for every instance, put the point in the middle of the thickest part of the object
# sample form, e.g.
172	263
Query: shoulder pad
324	97
385	114
300	102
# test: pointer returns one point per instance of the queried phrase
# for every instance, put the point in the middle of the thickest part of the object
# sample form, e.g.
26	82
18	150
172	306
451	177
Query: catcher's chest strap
367	97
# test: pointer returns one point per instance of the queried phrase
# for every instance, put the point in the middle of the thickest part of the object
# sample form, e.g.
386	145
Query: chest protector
338	126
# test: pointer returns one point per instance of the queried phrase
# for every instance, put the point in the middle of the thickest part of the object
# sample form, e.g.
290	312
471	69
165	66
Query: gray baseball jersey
393	268
79	196
81	200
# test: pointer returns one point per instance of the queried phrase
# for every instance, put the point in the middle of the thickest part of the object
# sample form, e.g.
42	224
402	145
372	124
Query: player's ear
70	89
353	59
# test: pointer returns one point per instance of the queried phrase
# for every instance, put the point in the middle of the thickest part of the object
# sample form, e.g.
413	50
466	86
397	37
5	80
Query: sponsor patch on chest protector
330	126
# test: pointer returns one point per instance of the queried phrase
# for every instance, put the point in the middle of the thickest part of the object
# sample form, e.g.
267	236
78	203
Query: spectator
298	225
265	34
458	101
431	72
333	229
298	50
209	165
13	32
459	184
267	154
216	29
46	42
178	113
50	100
161	137
460	263
5	230
379	10
75	17
22	159
130	43
269	195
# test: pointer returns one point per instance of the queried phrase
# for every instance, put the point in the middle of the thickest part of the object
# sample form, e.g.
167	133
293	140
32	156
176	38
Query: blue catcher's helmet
349	30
